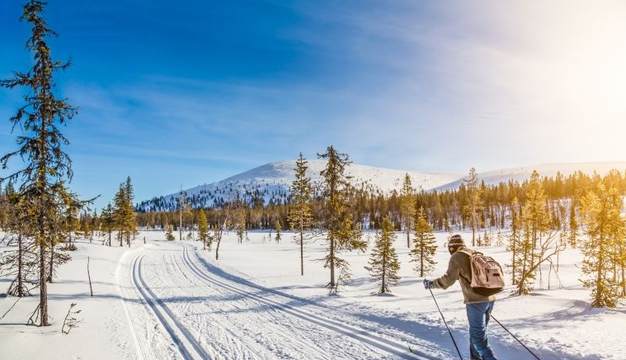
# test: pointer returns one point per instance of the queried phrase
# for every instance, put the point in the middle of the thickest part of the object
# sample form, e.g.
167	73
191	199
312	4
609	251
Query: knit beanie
455	243
456	240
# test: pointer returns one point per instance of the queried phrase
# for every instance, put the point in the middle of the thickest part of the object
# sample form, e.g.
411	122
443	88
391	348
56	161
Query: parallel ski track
399	350
140	352
162	315
225	349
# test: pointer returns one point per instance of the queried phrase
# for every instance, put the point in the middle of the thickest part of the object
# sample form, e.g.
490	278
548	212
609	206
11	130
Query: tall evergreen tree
130	215
47	165
573	226
240	221
107	221
515	239
342	231
300	217
278	229
424	245
203	229
124	213
540	240
384	264
474	202
23	261
169	233
600	210
407	201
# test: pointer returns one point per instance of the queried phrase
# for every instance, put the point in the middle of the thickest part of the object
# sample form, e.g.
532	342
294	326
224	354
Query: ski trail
233	343
155	303
389	346
140	352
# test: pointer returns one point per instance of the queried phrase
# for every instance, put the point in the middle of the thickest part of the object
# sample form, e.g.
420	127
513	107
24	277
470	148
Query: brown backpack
487	276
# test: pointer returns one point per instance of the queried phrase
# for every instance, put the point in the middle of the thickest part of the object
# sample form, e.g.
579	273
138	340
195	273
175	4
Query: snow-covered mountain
520	174
270	183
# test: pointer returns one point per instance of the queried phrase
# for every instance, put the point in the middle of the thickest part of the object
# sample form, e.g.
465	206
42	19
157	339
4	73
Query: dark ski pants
478	315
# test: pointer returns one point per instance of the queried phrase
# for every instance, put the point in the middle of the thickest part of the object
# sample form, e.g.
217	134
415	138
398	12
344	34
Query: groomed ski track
183	306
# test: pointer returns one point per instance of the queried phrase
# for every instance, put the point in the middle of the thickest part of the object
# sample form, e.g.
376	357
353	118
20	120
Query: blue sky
184	93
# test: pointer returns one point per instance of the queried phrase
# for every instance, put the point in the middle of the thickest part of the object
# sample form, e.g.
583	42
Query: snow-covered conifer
424	245
383	263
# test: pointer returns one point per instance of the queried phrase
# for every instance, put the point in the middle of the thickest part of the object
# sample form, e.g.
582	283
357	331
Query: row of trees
473	205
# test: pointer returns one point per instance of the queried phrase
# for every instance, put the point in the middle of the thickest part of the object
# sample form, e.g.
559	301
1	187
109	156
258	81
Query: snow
272	181
172	300
523	173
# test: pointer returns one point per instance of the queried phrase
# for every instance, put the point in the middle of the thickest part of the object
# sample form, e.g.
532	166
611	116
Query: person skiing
478	306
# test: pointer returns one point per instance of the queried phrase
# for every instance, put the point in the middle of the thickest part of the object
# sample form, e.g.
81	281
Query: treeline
446	210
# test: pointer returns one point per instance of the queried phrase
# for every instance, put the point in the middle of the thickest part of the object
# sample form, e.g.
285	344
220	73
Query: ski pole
445	323
514	337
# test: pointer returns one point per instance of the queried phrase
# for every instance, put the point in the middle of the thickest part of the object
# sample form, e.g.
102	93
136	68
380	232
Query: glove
428	284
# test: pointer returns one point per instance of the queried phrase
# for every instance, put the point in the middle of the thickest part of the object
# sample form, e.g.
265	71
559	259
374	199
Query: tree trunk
51	269
408	237
43	291
20	254
332	262
301	251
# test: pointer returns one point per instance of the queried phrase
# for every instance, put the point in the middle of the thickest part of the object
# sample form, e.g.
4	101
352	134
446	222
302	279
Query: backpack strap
464	251
469	254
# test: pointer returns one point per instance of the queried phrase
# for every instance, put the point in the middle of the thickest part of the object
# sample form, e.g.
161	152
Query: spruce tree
540	241
277	227
424	244
23	261
474	202
573	226
300	217
384	264
41	146
407	201
107	221
203	229
169	233
240	221
130	215
605	228
515	239
124	213
342	230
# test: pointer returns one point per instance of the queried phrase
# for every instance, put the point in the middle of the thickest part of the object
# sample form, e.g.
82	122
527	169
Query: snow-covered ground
172	300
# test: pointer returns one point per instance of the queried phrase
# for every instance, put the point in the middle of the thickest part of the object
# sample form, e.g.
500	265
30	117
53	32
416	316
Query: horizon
176	98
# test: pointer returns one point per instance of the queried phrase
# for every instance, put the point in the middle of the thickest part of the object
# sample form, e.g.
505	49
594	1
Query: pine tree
169	233
515	239
107	220
600	210
407	209
474	202
383	263
424	245
240	222
203	229
342	231
130	215
540	240
300	217
277	227
124	213
573	226
23	261
47	165
184	211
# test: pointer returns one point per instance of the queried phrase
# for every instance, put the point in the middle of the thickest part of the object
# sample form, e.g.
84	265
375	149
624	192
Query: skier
478	306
